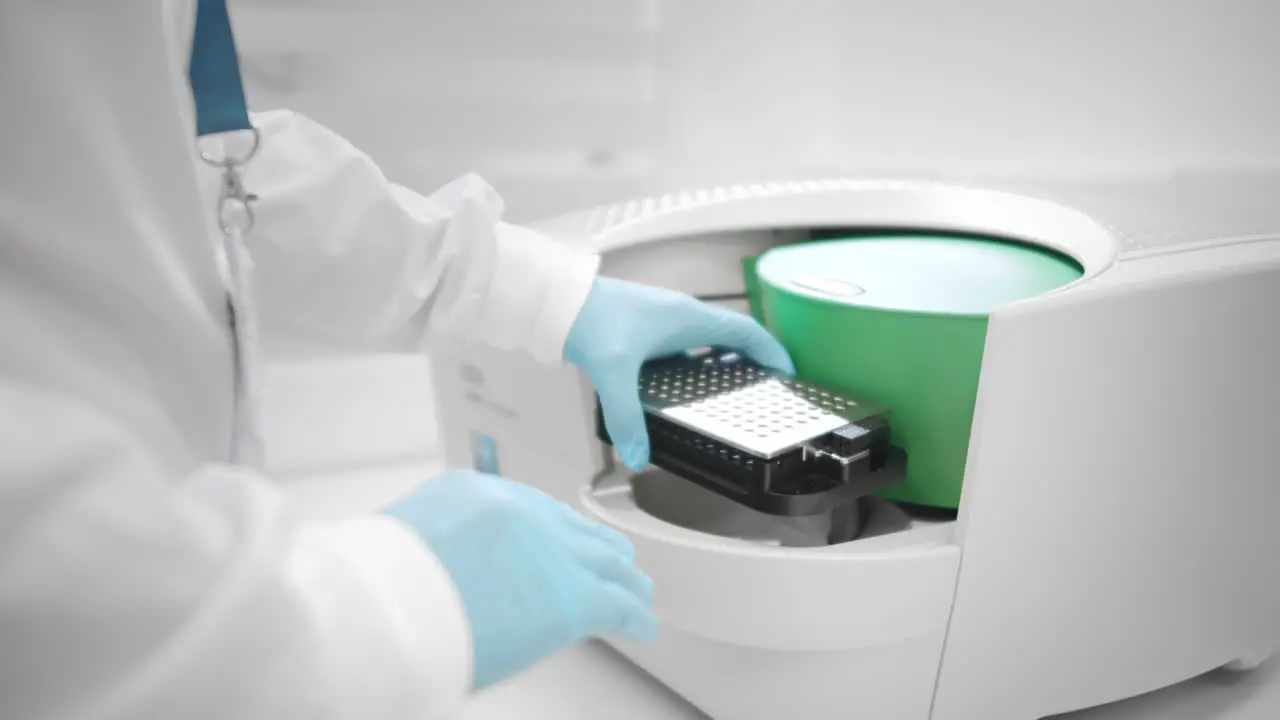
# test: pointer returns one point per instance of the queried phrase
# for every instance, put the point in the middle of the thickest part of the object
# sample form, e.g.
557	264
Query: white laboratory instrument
1115	531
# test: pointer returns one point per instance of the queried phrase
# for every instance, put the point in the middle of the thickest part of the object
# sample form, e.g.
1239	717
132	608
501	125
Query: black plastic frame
787	485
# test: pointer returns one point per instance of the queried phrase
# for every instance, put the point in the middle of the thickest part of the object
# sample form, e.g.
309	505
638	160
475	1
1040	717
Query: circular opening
918	272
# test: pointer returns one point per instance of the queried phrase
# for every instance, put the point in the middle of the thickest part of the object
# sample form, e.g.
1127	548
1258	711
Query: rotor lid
918	272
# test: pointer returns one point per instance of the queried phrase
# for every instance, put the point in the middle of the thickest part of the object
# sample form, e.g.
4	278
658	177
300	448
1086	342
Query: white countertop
592	681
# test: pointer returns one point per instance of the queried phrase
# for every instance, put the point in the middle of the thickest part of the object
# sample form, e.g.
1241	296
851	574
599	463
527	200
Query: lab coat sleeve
123	595
344	256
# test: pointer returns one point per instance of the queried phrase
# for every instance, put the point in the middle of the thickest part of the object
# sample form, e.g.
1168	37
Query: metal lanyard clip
235	208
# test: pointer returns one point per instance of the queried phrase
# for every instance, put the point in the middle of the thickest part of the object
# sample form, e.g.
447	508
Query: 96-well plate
752	409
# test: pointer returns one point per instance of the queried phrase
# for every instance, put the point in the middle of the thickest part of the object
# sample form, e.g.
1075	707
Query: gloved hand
623	324
533	574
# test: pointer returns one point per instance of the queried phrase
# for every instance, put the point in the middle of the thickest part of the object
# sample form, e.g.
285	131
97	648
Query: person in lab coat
148	566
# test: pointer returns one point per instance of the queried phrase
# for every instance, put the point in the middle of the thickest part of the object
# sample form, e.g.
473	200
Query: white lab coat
140	575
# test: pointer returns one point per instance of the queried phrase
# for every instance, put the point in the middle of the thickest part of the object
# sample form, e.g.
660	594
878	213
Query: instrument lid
917	272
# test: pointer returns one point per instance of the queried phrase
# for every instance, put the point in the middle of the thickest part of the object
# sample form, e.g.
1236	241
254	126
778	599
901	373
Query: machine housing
1117	500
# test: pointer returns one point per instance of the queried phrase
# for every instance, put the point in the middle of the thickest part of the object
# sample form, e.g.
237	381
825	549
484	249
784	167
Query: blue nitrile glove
623	324
534	575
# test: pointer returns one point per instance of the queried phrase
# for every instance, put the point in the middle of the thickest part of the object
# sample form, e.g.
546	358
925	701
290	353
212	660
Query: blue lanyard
215	72
220	108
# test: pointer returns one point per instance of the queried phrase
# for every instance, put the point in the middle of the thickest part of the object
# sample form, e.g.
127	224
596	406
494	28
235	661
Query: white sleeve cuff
539	287
419	598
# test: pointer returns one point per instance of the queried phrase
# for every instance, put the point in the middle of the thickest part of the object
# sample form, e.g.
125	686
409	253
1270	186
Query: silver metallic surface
235	203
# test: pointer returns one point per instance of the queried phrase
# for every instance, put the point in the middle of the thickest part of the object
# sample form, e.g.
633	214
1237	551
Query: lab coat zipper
248	448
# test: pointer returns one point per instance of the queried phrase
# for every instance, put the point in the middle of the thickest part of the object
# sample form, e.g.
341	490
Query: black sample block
771	443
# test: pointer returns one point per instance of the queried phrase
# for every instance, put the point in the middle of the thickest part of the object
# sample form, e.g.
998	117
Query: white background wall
563	103
1163	116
